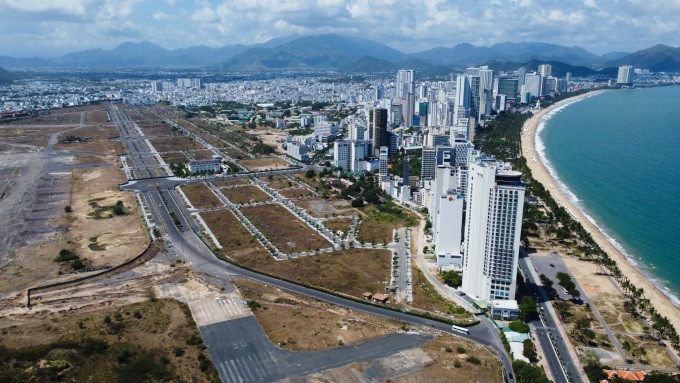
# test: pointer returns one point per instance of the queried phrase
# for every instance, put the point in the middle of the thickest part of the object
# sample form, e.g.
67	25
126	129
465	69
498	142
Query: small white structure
298	150
504	309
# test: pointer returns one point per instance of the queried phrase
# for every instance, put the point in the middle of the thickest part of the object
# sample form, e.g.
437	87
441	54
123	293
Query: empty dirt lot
298	323
245	194
237	242
265	164
201	196
283	229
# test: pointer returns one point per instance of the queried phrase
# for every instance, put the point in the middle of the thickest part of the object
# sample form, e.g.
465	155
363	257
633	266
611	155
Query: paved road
199	255
562	367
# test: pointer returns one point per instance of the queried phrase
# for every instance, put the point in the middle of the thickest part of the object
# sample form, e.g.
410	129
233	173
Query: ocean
617	156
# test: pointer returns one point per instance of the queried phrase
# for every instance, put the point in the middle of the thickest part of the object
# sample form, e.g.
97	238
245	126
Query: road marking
236	371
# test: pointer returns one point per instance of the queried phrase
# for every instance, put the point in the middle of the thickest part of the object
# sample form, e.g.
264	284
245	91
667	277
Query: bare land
296	193
299	323
91	139
232	182
171	144
338	224
265	163
324	208
201	196
96	117
283	229
245	194
277	182
377	226
129	343
174	157
237	242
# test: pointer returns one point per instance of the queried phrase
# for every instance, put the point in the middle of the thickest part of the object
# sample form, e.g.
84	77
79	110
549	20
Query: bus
459	329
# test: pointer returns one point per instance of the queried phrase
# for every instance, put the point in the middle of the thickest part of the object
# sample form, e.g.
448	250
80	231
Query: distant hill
34	62
467	54
659	58
322	52
149	54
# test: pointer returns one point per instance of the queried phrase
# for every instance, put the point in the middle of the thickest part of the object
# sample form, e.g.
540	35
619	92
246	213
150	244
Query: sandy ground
661	302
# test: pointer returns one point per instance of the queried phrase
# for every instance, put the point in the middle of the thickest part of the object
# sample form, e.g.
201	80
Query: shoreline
532	150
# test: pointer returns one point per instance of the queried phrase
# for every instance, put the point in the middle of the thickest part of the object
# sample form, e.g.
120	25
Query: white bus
459	329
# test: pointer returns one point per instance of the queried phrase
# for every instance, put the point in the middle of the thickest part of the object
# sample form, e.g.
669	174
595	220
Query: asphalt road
546	331
187	243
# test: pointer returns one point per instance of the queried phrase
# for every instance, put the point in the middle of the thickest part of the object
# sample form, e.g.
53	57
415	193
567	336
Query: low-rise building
504	309
204	166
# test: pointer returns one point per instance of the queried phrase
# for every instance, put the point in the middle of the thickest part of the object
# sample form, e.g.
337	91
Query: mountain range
350	54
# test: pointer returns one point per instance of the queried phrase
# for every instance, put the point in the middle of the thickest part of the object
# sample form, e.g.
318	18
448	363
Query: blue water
618	153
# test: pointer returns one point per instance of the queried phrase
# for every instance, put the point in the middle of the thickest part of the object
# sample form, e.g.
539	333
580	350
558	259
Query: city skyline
48	29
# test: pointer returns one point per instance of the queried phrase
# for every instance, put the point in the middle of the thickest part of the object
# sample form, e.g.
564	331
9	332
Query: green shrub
519	326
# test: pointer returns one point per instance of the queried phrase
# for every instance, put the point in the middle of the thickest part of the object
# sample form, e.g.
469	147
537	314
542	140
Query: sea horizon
572	127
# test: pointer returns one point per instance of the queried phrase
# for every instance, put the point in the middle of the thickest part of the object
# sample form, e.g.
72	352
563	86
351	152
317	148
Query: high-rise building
485	93
157	86
342	155
521	74
408	109
545	70
428	163
495	199
474	80
447	227
461	112
626	75
383	162
508	85
379	135
405	83
533	84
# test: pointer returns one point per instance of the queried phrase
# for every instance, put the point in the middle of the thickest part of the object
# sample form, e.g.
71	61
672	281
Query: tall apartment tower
625	76
485	93
474	80
545	70
495	199
405	83
379	136
461	111
157	86
428	163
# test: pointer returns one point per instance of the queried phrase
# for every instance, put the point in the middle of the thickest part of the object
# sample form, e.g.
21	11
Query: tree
519	326
310	173
358	202
118	208
528	309
529	351
452	278
526	373
68	208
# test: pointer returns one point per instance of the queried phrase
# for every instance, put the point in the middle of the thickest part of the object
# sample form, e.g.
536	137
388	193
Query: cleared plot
245	194
378	222
171	144
155	128
233	182
338	224
72	117
265	163
298	323
235	153
175	157
90	139
321	208
38	136
202	154
296	193
351	271
283	229
277	182
96	117
201	196
236	241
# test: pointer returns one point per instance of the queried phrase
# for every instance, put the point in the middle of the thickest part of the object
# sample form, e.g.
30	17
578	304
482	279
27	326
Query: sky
48	28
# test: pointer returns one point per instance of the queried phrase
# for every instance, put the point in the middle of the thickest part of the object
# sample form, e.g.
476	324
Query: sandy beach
661	302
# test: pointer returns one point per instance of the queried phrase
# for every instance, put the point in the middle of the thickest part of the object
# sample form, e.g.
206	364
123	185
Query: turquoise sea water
617	154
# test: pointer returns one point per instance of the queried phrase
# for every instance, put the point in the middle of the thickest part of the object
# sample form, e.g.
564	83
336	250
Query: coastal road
562	366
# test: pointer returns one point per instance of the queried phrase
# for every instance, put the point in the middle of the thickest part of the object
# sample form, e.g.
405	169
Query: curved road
194	250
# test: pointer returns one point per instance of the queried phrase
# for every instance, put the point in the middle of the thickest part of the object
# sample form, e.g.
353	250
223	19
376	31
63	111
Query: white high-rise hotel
495	199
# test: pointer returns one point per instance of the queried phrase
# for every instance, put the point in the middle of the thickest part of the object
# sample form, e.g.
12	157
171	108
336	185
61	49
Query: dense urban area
205	225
